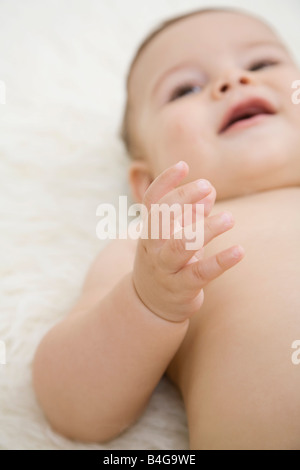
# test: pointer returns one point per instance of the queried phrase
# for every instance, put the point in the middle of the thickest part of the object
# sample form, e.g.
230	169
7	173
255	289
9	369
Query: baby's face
186	81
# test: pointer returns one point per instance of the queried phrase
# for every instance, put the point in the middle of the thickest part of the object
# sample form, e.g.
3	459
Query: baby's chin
250	190
245	179
269	162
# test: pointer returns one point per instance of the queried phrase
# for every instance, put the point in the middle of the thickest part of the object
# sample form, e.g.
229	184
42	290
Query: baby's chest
267	279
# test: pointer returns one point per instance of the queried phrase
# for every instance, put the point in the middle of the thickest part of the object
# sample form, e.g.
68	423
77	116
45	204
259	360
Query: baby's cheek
282	84
180	129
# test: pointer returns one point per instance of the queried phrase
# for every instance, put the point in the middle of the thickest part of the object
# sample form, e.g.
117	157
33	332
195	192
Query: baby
209	97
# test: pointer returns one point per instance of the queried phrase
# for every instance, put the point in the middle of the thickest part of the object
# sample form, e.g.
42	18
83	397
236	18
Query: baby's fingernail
180	165
227	218
203	185
238	252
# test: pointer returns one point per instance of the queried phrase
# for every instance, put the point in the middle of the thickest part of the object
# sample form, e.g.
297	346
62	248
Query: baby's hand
168	278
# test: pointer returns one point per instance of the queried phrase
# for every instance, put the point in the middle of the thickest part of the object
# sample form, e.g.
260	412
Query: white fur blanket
63	63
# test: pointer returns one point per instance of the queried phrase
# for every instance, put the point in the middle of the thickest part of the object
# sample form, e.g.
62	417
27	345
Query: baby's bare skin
234	366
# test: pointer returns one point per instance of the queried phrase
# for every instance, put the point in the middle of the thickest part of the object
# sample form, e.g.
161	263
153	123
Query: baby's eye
262	64
183	91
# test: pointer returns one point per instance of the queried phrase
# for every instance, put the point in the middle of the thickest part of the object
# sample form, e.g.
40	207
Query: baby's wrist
164	317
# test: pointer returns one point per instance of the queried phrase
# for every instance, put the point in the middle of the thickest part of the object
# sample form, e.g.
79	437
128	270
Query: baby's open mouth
246	113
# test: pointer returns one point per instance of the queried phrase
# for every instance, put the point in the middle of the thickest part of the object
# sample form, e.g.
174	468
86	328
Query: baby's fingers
176	252
198	274
209	202
164	183
217	225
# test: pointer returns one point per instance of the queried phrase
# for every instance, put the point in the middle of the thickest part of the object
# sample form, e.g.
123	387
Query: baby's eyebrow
168	72
257	43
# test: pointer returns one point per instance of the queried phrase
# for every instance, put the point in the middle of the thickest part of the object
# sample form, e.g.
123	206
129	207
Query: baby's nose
232	80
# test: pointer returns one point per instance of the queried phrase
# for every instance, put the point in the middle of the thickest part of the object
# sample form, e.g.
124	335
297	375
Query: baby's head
184	85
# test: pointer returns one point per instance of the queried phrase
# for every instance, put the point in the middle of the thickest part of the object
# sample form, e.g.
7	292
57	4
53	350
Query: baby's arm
95	371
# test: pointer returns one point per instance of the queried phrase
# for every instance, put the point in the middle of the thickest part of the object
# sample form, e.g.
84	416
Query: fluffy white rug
64	67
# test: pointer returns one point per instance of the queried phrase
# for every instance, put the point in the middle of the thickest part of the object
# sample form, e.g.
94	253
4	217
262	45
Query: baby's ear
140	178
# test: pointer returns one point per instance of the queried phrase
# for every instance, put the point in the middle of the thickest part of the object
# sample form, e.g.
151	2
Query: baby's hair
129	138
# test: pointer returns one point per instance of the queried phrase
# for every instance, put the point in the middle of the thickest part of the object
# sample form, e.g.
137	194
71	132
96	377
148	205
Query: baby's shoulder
120	250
